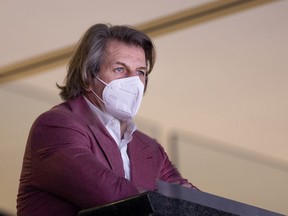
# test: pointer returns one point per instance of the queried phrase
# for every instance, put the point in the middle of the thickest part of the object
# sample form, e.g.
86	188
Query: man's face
120	60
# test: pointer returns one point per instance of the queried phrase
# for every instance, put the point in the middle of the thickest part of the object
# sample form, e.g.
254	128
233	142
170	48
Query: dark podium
175	200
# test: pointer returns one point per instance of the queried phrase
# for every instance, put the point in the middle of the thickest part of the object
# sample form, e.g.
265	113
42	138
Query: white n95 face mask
122	97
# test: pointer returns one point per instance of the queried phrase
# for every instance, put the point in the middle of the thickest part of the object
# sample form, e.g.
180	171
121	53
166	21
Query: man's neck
123	127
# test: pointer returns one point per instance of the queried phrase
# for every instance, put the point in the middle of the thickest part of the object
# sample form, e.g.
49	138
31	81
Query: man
87	151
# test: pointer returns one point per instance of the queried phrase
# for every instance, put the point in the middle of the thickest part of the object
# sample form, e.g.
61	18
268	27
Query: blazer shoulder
144	137
61	114
147	141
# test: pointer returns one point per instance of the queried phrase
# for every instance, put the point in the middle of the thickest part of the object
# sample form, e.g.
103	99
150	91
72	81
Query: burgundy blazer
71	163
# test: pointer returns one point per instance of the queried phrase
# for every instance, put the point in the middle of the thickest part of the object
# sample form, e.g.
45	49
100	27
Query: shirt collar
107	120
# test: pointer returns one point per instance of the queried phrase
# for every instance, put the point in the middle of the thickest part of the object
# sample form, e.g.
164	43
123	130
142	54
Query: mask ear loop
98	97
101	81
95	92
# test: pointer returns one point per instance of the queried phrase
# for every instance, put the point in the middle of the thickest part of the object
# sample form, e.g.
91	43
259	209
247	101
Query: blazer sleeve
63	164
157	163
169	172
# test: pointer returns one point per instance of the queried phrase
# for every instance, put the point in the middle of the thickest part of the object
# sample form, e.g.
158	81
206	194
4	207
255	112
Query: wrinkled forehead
122	51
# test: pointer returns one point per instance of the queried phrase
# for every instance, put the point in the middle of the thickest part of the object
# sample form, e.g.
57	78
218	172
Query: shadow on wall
2	213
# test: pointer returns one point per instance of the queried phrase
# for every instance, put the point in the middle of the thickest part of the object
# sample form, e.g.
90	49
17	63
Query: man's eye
119	69
141	73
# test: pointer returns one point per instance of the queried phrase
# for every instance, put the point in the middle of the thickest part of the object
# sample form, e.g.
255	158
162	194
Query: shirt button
113	123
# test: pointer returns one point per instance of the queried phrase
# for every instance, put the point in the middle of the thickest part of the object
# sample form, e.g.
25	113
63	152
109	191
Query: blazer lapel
109	148
102	137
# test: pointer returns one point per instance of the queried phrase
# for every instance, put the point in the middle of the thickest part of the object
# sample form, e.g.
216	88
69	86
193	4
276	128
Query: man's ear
88	89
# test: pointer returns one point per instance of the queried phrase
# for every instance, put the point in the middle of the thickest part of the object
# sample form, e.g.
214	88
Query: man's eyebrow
143	67
121	63
125	65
